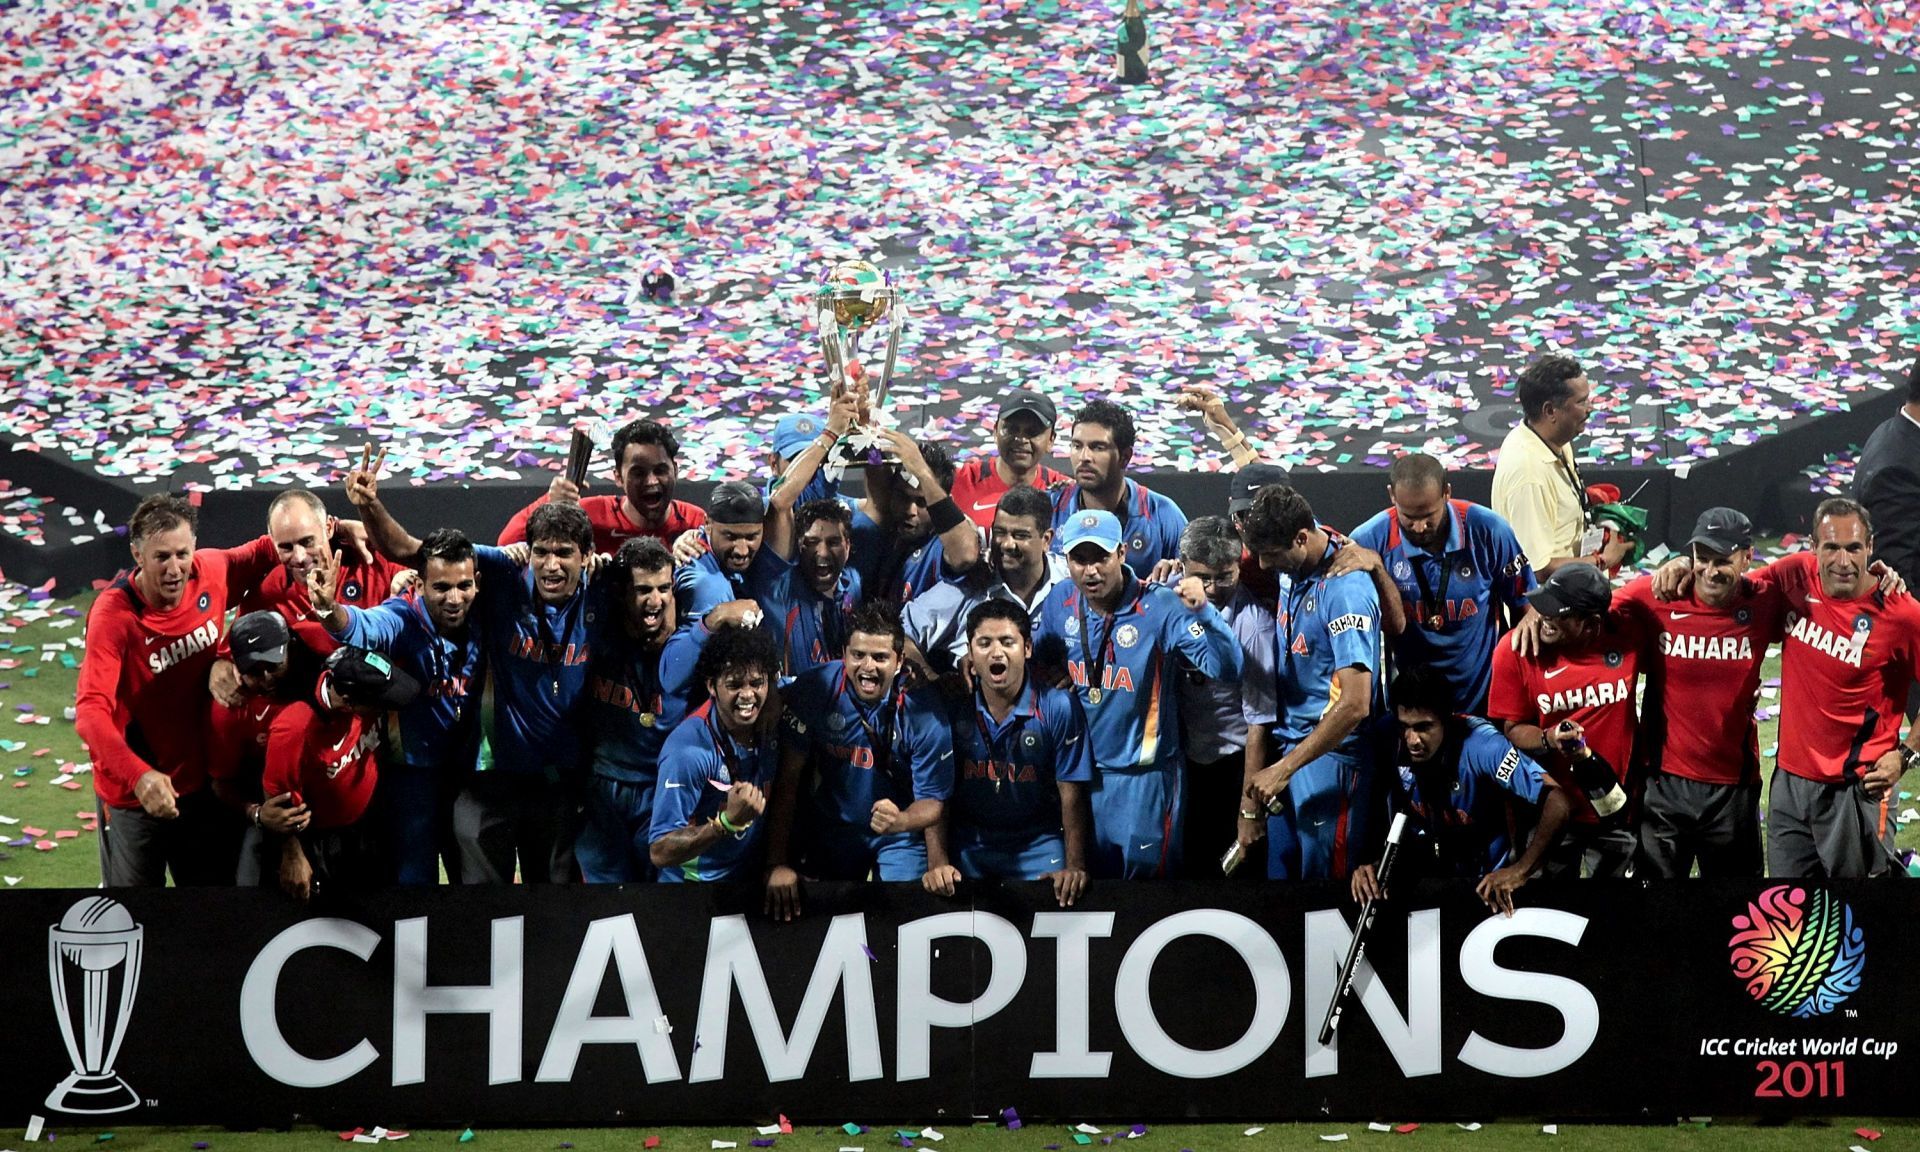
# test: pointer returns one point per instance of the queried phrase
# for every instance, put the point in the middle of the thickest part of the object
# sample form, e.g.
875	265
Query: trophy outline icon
94	941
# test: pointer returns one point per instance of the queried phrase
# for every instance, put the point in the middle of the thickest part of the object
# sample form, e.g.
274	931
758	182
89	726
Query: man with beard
717	765
1316	803
1023	443
640	688
1469	791
429	635
646	466
809	597
1019	809
304	537
1457	572
1850	656
1021	568
142	702
535	622
873	760
1100	449
1588	660
1122	643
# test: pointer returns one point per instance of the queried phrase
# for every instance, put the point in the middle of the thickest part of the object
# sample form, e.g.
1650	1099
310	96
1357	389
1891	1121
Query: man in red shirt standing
142	703
305	538
321	752
1023	439
1850	656
1701	745
646	465
1584	671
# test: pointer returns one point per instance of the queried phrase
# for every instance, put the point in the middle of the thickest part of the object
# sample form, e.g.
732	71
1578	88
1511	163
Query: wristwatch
1909	756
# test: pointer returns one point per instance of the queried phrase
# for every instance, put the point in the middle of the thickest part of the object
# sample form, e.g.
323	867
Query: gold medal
1093	695
1436	622
646	719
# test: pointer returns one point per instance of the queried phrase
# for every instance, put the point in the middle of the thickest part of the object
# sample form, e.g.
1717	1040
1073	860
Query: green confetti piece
850	1128
467	1136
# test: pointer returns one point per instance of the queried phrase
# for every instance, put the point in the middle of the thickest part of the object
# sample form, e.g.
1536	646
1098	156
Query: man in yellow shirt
1536	485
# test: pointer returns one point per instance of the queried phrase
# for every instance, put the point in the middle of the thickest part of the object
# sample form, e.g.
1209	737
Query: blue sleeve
1049	640
376	628
704	590
1173	524
802	709
1492	755
1351	609
1202	637
494	563
1072	751
764	573
1512	573
679	657
932	748
684	770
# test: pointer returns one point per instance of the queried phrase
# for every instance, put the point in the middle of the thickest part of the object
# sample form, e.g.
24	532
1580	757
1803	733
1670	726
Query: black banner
683	1004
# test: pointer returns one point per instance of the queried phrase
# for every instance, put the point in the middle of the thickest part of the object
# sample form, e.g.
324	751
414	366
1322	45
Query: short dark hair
1029	502
1840	507
162	512
1113	418
737	649
640	554
643	432
814	511
560	522
447	545
998	609
1210	540
1544	382
878	618
1416	470
1421	690
939	459
1276	519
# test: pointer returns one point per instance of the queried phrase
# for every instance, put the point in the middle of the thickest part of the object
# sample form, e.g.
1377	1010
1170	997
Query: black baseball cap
1251	479
259	641
736	502
1723	531
1027	400
1577	589
368	679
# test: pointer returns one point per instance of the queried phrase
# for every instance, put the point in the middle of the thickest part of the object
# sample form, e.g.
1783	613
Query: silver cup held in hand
854	300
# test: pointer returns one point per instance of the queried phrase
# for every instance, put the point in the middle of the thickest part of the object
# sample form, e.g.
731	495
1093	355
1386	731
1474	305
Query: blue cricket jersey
440	728
1134	726
873	552
1006	792
702	586
840	736
1323	626
636	697
698	763
1464	798
1480	568
811	629
1150	523
537	657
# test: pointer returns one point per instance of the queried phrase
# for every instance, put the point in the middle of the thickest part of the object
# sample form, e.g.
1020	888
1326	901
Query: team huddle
991	670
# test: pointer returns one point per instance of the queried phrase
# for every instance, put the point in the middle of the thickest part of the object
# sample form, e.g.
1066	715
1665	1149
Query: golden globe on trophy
856	299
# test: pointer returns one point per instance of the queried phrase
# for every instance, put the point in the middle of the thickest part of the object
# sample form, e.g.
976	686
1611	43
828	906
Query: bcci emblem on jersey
1127	636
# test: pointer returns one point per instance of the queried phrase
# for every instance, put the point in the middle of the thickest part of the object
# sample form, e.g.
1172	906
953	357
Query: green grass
1795	1136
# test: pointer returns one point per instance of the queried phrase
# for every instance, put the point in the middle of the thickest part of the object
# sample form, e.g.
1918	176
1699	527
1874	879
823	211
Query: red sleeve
228	733
248	565
286	749
1507	695
99	716
516	529
1793	574
1635	601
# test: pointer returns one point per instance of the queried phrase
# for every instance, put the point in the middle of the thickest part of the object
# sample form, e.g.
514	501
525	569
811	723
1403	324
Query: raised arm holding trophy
855	300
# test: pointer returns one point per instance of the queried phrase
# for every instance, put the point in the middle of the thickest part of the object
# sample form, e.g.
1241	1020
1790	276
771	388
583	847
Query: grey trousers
1683	822
504	819
1828	830
199	846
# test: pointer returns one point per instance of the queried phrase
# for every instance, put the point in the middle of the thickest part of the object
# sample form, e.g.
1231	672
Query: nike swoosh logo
152	640
1681	615
946	755
1149	844
338	743
1556	671
671	784
979	507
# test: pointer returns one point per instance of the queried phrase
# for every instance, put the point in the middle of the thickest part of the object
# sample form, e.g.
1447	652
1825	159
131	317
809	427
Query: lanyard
1566	470
554	653
1438	608
1096	669
879	740
986	733
1298	591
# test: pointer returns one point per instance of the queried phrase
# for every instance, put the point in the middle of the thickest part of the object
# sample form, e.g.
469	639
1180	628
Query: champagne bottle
1595	777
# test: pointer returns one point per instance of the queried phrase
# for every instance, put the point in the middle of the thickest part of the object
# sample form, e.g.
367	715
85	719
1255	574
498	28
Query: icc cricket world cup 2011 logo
93	960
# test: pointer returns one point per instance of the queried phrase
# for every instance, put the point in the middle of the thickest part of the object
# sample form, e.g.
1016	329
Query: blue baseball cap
1102	528
795	431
